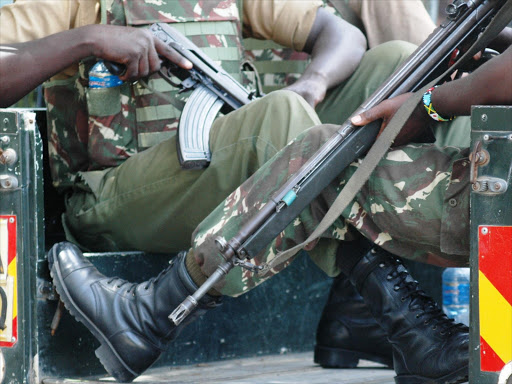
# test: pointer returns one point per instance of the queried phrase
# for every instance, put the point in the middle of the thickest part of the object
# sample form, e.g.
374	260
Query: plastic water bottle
104	92
456	294
100	77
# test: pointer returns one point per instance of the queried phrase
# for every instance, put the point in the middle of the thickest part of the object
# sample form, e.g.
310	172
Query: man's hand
136	48
23	66
336	48
412	129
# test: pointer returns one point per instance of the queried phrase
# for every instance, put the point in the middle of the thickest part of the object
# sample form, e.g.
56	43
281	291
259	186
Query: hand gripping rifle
466	20
213	91
213	88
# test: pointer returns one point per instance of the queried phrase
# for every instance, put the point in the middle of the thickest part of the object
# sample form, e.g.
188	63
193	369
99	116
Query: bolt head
221	244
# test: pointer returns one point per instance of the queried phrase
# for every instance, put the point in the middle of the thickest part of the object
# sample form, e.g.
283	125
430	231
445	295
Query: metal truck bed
286	368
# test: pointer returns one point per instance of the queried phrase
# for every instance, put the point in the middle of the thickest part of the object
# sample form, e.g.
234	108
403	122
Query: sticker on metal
8	282
495	296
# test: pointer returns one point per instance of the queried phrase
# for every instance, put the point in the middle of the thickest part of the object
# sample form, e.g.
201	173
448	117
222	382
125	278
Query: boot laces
424	305
155	280
133	286
120	282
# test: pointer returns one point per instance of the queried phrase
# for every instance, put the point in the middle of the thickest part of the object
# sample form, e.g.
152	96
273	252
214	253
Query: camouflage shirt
91	129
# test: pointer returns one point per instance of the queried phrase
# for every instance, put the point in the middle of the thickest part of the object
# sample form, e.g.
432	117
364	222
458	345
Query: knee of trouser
391	53
316	136
284	101
286	115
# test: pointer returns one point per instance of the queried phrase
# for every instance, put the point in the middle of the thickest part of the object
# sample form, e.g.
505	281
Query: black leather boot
347	331
427	346
130	320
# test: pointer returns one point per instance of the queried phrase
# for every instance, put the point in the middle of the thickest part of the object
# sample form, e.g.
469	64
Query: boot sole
106	353
329	357
459	376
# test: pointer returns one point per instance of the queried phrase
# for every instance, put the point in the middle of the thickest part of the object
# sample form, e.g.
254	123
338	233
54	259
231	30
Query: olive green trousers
150	204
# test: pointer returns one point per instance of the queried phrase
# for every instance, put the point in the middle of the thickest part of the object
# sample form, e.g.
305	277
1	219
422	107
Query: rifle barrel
338	152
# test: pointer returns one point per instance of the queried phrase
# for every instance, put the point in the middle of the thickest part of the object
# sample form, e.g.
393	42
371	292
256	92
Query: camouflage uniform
92	129
415	204
93	132
279	67
128	193
149	203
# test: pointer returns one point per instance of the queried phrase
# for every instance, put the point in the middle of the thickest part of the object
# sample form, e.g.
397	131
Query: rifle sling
385	140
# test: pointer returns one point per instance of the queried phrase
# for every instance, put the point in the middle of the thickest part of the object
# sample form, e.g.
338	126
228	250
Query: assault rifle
213	91
466	20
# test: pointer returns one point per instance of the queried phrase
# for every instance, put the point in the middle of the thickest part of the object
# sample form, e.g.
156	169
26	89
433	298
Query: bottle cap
100	77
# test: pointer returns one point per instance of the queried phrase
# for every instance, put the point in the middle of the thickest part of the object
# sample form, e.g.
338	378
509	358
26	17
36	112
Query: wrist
90	40
318	78
429	107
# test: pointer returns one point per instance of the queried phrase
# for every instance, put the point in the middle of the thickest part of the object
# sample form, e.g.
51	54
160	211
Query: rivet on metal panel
484	117
485	231
46	290
8	157
8	182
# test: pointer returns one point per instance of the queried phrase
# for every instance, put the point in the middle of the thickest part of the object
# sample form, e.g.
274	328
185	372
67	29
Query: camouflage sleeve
287	22
27	20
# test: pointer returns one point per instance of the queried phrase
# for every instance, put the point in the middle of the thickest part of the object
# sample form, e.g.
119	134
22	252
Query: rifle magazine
194	129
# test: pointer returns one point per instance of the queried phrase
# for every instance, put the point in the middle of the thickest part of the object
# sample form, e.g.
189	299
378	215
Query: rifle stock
431	59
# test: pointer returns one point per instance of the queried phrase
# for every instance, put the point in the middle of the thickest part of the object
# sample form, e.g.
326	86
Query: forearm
502	41
491	84
336	50
24	66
